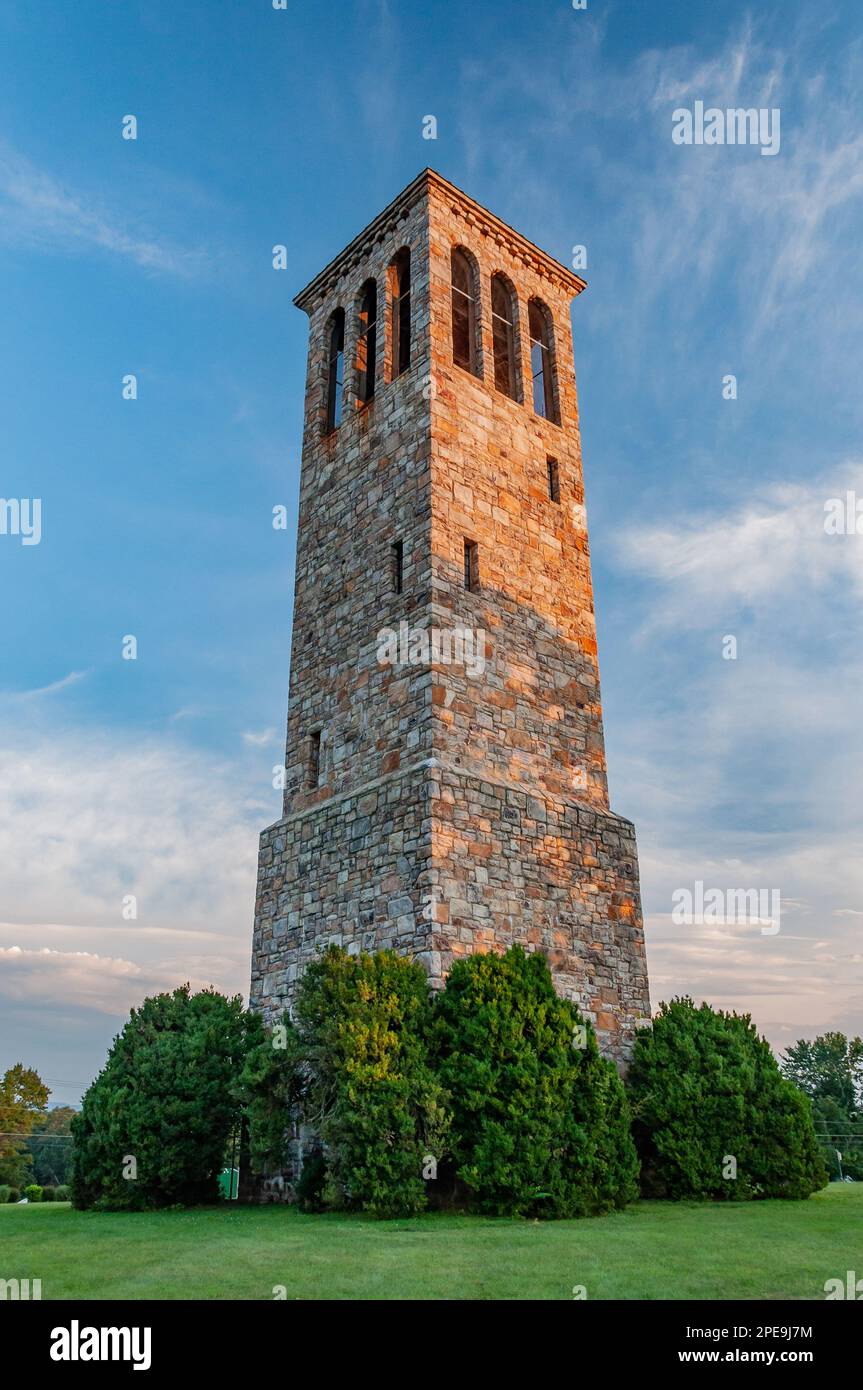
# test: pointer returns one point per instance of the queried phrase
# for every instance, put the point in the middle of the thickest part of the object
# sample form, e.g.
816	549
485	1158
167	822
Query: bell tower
445	781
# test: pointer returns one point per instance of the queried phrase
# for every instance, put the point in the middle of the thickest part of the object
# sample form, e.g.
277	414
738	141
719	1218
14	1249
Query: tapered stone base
437	863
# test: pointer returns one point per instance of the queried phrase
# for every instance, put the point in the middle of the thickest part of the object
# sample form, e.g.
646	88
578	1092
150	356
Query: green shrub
153	1126
707	1099
33	1192
63	1193
5	1190
540	1120
272	1084
14	1194
356	1070
311	1184
363	1022
49	1194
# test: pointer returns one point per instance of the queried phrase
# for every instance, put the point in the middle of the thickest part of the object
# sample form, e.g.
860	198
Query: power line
8	1134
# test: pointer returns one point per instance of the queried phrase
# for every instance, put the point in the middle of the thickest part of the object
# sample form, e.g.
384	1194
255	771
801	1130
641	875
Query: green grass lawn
652	1250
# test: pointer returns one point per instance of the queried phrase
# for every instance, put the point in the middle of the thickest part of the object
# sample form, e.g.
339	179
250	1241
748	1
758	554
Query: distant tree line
35	1140
829	1070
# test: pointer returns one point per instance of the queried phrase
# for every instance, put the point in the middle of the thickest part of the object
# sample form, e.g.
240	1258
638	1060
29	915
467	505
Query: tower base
437	862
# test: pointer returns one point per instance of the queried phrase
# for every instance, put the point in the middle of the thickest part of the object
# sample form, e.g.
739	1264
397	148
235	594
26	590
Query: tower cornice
386	224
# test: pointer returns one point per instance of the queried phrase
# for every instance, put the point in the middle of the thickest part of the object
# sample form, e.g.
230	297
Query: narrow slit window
400	303
471	566
367	342
336	371
464	352
398	561
314	770
539	327
553	480
503	335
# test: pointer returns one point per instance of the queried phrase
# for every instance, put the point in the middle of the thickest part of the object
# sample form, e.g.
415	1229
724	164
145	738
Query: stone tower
445	781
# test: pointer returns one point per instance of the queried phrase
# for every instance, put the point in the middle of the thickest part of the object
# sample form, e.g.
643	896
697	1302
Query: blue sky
153	257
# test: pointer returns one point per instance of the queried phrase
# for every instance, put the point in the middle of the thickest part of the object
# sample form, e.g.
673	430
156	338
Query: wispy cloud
187	712
672	227
62	684
772	544
260	739
38	209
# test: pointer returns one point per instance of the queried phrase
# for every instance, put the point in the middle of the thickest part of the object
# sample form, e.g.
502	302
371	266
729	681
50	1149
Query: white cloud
715	212
58	981
51	689
87	821
771	239
771	545
742	773
61	978
38	209
260	739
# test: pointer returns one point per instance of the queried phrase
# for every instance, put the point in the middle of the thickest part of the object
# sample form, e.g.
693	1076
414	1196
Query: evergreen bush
713	1115
153	1126
541	1124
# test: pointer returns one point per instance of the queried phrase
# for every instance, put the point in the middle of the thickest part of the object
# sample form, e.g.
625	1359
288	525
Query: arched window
367	334
503	313
400	306
541	360
464	352
335	370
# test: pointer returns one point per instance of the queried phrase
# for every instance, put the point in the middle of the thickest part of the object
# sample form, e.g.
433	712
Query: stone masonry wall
553	875
457	809
535	715
363	486
351	872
